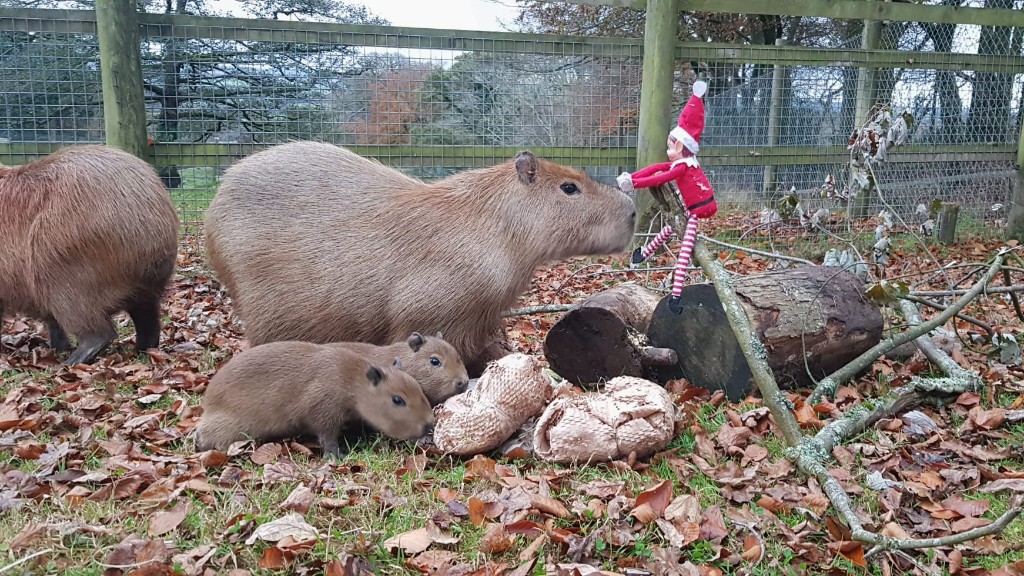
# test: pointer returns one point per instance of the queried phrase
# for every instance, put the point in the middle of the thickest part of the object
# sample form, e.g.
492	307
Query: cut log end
651	356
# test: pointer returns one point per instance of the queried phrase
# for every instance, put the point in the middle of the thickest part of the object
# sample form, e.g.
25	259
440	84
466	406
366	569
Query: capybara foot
146	318
675	305
636	258
58	337
330	448
90	345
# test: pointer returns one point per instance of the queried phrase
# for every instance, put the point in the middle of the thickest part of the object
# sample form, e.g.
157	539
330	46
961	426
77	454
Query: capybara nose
428	428
461	385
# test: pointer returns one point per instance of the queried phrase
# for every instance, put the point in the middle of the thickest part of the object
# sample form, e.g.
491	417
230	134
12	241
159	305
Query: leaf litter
88	448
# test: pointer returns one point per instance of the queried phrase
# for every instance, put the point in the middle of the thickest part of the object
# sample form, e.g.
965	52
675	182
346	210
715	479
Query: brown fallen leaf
1013	484
266	454
272	559
965	524
986	419
751	549
432	561
299	500
533	548
166	521
651	503
411	542
291	524
28	534
549	505
683	508
496	539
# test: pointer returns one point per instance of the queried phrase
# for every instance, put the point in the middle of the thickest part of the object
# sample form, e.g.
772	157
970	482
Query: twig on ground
753	251
757	535
25	559
546	309
969	319
989	290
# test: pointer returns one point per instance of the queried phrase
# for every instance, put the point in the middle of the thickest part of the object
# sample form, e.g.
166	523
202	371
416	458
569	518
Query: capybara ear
415	341
526	167
439	335
375	375
397	363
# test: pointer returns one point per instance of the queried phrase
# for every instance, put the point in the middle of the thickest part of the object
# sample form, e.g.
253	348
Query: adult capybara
433	362
317	243
292	388
86	232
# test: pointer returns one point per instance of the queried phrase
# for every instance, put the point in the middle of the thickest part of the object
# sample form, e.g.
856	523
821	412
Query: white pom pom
700	87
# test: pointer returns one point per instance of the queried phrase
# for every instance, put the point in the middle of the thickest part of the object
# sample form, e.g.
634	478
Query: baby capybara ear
526	167
439	335
375	375
415	341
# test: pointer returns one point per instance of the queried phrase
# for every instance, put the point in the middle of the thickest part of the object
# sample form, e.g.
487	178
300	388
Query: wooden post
655	93
945	231
124	107
866	91
1015	218
774	121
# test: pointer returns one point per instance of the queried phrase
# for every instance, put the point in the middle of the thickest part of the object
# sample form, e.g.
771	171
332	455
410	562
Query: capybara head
436	365
394	404
577	215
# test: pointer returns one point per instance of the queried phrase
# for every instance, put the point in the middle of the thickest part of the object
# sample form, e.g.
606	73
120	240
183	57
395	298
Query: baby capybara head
580	216
436	365
394	404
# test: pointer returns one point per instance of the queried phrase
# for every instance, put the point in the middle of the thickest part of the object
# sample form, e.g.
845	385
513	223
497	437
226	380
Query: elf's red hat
691	119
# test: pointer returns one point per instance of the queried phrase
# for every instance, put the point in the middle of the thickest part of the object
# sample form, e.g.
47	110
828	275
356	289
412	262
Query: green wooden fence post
655	93
124	107
769	184
867	90
1015	219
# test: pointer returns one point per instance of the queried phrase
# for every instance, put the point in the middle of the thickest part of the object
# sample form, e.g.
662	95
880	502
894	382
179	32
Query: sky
451	14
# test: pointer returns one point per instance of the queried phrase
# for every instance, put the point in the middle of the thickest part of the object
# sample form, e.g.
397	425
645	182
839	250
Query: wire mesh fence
435	102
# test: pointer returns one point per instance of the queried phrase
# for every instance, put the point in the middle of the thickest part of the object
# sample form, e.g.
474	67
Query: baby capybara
85	233
284	389
433	362
317	243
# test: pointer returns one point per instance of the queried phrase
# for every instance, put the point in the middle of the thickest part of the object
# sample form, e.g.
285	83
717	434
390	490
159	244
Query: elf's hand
625	181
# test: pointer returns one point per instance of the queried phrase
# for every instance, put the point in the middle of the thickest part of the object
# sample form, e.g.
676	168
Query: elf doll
695	192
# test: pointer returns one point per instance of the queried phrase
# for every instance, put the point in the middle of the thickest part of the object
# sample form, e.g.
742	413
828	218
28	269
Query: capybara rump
85	233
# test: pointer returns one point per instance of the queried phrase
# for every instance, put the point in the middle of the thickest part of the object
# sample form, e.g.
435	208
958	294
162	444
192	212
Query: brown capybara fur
317	243
284	389
431	360
85	233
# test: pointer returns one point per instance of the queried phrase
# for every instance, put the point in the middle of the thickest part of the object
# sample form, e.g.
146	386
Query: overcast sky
454	14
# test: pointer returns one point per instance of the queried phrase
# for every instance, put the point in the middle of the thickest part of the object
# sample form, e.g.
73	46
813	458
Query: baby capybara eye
398	400
570	189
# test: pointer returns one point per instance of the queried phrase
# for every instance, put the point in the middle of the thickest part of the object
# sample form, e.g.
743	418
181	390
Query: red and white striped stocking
680	274
653	245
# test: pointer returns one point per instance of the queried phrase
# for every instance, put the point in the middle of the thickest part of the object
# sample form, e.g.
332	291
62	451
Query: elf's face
676	150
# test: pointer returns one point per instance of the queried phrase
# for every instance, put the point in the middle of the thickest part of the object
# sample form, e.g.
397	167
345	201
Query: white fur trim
683	136
700	88
689	161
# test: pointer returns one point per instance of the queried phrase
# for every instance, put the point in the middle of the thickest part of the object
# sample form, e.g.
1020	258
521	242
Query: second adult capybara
85	233
431	360
290	388
317	243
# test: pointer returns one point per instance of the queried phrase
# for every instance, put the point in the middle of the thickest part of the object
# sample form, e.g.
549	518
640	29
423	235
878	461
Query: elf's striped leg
679	274
641	254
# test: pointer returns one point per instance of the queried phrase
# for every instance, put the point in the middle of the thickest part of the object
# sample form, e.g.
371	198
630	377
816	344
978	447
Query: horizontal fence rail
433	102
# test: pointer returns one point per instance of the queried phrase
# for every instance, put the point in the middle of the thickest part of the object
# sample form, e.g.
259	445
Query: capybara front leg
145	316
329	445
58	337
91	343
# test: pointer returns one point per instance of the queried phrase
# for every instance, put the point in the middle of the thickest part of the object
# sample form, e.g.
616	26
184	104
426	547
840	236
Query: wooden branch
828	386
969	319
546	309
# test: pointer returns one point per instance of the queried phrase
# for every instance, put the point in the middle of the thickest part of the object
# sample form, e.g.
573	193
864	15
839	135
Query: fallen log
604	336
812	320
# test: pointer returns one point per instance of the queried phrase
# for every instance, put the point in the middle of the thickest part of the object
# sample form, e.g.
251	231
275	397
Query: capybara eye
570	188
398	400
435	361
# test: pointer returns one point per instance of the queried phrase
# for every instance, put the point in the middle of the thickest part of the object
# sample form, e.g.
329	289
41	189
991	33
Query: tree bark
811	320
604	336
